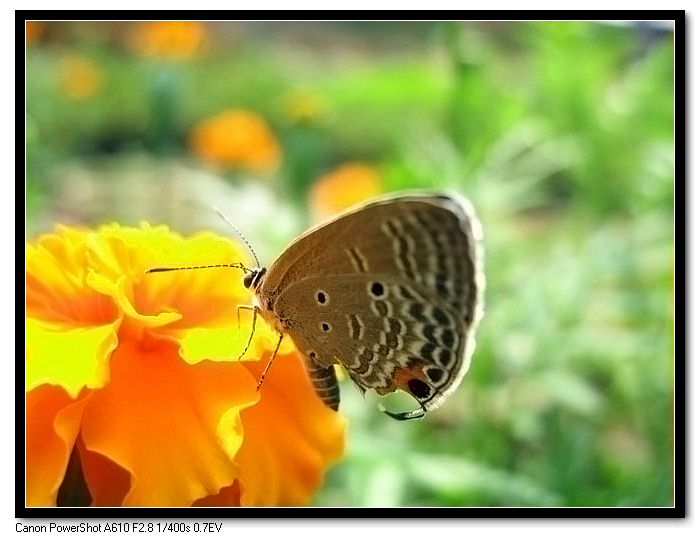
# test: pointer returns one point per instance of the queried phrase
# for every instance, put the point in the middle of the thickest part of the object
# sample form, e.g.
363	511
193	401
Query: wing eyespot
419	388
377	290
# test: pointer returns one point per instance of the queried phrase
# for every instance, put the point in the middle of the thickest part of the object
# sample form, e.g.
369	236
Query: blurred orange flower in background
79	77
346	185
237	138
34	30
138	376
178	40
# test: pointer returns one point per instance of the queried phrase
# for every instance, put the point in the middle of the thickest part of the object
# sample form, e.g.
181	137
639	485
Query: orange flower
343	187
79	77
237	138
34	30
138	375
178	40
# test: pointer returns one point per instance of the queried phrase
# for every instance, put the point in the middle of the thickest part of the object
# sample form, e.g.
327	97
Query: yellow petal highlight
217	344
120	291
182	291
227	343
72	358
230	430
57	290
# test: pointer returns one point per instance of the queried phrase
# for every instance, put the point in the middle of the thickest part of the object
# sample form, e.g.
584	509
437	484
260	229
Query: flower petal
107	482
158	429
120	292
218	344
159	418
73	358
227	343
228	496
56	281
290	437
51	433
180	291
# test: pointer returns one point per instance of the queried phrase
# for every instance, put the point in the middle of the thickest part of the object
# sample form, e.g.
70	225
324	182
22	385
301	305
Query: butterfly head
253	277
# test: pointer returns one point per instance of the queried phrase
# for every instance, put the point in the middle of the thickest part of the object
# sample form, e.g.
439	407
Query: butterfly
391	290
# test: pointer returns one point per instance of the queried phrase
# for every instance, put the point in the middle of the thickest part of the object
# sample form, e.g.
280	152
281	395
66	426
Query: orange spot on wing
401	376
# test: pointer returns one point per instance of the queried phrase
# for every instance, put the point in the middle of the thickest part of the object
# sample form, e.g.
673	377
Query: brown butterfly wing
383	330
416	333
431	240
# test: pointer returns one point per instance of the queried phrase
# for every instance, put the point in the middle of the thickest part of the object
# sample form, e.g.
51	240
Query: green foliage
561	134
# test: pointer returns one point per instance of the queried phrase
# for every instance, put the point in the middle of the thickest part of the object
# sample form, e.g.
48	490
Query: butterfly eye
254	277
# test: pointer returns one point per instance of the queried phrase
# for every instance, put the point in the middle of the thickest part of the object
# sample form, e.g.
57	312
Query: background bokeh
561	133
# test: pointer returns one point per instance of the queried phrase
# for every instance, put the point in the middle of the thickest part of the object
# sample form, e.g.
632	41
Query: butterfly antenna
165	269
221	214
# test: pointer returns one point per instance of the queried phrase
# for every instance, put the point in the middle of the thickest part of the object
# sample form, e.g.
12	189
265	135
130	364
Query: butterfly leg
252	330
404	415
325	383
358	382
269	363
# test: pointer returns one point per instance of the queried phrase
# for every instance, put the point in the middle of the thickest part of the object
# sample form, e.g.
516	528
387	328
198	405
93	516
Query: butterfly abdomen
325	383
